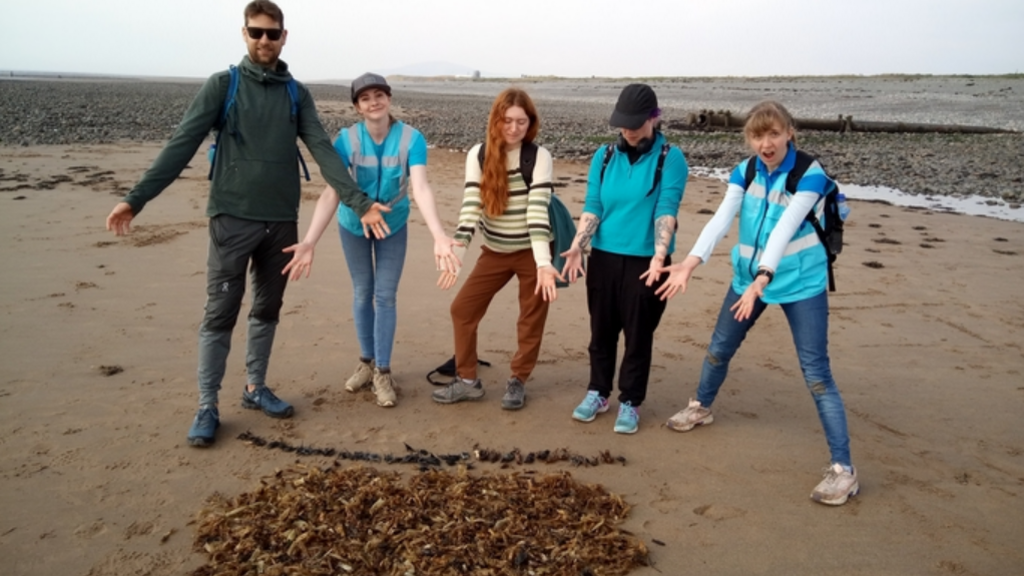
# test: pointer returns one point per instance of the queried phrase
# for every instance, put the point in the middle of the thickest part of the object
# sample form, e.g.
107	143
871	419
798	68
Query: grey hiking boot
515	394
459	390
362	376
690	417
837	486
384	387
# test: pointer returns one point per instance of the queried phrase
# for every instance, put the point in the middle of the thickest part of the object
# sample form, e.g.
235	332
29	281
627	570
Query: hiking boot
263	399
592	405
204	427
628	420
362	376
837	487
384	387
515	394
459	390
690	417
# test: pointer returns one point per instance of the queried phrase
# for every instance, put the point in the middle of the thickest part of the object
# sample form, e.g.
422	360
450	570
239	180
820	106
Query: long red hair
494	177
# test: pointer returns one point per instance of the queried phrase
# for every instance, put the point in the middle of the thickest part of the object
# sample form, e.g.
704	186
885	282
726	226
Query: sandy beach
96	478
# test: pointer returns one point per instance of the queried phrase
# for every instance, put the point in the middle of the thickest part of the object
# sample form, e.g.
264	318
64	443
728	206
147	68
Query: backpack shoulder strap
293	95
803	162
229	99
660	166
609	150
750	173
527	160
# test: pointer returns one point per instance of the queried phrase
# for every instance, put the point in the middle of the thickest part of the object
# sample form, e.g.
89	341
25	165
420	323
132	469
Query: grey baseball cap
367	81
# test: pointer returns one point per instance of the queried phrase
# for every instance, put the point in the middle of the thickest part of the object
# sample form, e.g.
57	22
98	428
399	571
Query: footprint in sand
719	512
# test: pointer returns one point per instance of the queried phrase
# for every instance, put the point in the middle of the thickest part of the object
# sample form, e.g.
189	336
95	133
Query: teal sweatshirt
256	176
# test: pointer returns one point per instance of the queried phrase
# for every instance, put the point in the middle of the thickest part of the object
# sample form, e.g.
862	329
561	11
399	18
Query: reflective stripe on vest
357	159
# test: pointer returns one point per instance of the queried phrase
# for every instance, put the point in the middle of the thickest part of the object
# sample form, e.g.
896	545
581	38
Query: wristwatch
765	272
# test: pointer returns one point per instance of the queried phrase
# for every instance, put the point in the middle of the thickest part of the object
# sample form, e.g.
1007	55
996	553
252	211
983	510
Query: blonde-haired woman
513	219
778	260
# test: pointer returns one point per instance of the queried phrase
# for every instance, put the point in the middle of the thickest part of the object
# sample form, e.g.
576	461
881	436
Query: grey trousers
238	245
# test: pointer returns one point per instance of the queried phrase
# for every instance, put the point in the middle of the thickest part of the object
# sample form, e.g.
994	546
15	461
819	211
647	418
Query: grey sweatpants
237	245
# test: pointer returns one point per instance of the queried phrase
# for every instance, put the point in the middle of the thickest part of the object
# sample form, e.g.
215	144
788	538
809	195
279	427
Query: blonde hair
765	116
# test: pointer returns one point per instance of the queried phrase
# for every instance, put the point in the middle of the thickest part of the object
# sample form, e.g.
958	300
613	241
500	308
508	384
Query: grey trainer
459	390
515	394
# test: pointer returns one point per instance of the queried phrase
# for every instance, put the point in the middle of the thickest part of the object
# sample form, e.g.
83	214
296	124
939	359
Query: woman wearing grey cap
634	189
385	157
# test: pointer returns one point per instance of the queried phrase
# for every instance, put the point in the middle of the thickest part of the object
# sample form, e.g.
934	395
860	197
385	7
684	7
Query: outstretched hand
546	287
120	219
678	277
444	255
744	307
373	221
573	267
301	262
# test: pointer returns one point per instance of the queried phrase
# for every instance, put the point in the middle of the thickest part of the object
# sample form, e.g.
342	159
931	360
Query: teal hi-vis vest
803	270
384	179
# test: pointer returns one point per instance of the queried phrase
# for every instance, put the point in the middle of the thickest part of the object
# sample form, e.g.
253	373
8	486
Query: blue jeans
375	267
808	320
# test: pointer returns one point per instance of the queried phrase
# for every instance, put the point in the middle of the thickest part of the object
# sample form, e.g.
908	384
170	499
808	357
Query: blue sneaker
204	428
628	420
263	399
592	405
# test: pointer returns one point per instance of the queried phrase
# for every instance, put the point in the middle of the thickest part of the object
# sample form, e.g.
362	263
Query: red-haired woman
513	219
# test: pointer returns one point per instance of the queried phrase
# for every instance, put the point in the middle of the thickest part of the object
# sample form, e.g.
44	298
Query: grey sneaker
384	388
837	487
459	390
693	415
515	395
362	376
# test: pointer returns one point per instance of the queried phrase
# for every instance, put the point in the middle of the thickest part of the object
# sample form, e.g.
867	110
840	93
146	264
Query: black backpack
831	235
559	218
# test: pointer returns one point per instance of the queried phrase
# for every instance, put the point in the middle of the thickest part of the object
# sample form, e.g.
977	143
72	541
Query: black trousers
619	301
238	245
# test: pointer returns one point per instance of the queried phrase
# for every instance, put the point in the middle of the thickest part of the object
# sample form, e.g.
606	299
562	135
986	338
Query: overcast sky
340	39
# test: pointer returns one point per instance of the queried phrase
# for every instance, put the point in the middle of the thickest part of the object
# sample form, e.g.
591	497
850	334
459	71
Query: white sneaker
362	376
837	487
690	417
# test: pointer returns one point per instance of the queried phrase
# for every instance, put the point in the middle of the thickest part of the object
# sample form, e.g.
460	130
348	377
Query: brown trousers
492	272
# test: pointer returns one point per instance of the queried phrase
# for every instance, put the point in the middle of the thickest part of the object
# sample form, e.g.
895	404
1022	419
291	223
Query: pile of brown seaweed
312	521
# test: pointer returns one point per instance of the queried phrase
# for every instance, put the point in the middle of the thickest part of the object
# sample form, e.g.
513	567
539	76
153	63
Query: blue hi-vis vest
384	180
803	270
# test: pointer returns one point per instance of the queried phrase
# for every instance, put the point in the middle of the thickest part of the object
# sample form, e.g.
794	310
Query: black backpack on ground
831	235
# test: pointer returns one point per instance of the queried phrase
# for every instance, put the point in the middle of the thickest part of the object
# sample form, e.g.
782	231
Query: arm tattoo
587	229
663	229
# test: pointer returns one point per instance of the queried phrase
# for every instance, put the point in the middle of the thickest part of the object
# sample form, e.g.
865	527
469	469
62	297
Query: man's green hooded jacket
256	176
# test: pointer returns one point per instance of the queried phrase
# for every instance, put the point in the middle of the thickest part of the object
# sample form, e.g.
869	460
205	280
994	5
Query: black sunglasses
273	34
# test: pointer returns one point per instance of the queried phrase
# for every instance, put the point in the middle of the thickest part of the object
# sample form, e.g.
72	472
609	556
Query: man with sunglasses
253	205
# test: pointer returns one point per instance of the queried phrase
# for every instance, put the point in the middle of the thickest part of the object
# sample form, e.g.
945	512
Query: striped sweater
524	224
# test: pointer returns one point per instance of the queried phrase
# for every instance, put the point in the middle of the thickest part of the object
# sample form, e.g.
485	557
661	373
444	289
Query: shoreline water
968	205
